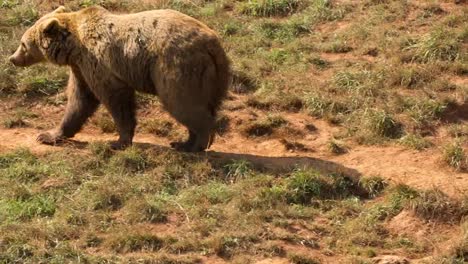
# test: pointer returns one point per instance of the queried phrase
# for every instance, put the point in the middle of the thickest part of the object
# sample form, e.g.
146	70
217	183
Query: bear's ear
51	27
60	9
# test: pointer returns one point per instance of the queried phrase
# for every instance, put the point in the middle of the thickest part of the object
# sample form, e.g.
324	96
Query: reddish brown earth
421	169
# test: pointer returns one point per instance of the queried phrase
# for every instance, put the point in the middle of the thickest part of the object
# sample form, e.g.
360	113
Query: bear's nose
13	59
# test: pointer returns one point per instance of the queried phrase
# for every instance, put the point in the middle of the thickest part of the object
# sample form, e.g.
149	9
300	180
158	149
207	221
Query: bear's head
47	40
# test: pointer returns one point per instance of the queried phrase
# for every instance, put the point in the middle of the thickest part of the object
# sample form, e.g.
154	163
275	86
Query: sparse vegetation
264	127
415	142
434	204
336	147
269	7
455	155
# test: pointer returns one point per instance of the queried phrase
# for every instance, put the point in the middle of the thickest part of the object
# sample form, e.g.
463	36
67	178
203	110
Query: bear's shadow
262	163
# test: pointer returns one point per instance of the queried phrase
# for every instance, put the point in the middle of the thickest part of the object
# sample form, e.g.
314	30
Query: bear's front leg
80	106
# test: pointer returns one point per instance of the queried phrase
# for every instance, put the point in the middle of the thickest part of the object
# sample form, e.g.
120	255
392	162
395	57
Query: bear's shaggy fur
160	52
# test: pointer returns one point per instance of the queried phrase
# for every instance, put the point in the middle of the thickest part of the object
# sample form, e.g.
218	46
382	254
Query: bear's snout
18	60
12	59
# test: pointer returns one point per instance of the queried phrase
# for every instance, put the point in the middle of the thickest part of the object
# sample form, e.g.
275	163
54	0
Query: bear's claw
48	138
185	146
119	145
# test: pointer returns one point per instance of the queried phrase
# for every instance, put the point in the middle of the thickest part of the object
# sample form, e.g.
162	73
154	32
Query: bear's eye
23	46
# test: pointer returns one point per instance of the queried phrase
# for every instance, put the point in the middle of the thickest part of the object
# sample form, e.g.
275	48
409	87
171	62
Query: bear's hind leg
200	122
80	106
186	145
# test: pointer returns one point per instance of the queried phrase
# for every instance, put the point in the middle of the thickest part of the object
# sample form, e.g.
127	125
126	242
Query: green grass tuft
382	124
435	205
130	160
136	242
22	210
455	156
267	8
415	142
439	44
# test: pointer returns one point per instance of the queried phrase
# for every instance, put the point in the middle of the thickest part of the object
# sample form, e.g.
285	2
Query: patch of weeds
412	77
439	44
436	205
101	149
319	63
231	28
131	159
455	156
264	127
336	147
35	206
109	194
77	219
400	195
213	193
381	123
144	210
294	146
17	252
238	169
14	122
19	119
162	128
459	253
276	100
270	197
285	31
424	111
23	166
301	259
454	20
108	201
40	86
336	46
267	8
9	3
92	240
136	242
373	185
227	246
442	86
243	82
347	80
24	15
217	193
320	106
303	185
18	155
458	130
398	199
431	10
278	56
415	141
106	124
324	10
359	83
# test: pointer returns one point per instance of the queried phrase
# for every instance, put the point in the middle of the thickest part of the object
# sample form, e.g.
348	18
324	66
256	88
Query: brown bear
160	52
